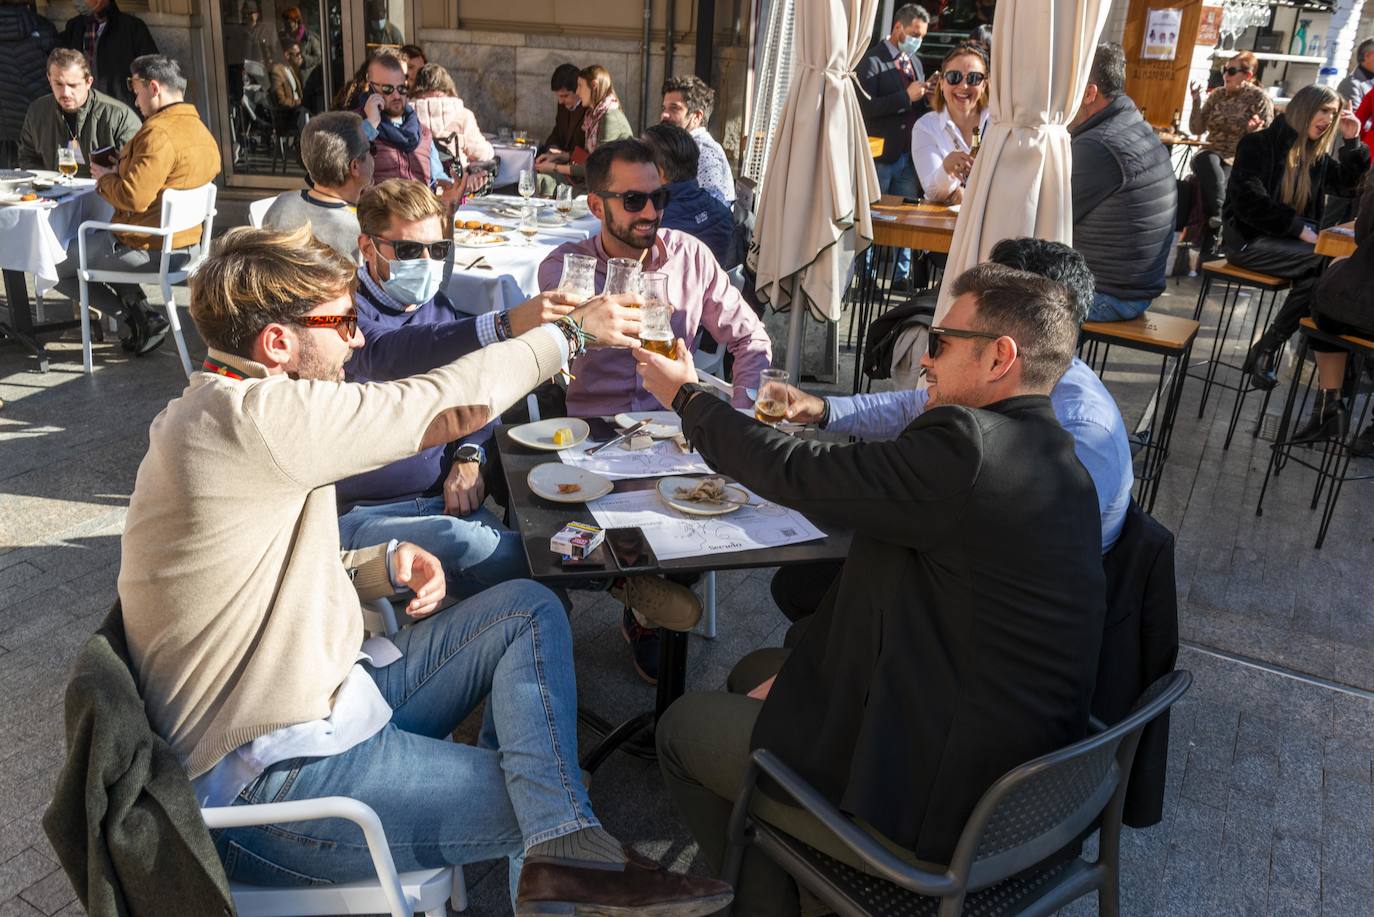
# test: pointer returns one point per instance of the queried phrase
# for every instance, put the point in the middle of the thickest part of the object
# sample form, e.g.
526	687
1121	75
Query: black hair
564	77
677	153
1054	261
631	150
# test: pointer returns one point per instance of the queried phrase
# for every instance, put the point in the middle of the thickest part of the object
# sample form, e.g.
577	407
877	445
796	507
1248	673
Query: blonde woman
451	123
603	122
942	140
1274	202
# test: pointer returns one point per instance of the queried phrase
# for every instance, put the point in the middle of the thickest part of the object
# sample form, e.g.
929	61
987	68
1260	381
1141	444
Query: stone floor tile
50	894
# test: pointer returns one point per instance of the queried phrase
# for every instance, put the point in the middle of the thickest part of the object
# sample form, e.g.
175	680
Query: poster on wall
1209	26
1161	34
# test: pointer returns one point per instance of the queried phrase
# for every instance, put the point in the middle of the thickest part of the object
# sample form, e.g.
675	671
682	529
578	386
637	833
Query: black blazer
125	38
1139	646
1252	203
1344	291
963	637
887	111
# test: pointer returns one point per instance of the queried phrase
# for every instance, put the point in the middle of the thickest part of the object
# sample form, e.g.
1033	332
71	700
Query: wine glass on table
770	405
66	162
529	223
656	319
562	202
527	183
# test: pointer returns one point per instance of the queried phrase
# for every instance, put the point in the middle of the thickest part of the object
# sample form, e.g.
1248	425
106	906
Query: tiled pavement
1270	808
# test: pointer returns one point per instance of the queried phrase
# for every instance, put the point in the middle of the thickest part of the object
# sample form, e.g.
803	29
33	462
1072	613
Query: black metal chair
1030	814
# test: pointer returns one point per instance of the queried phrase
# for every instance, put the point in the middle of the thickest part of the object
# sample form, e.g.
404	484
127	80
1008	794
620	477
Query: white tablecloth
514	274
36	235
513	160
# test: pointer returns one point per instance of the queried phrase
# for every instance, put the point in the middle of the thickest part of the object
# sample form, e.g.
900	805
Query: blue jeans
441	802
476	550
1107	308
899	178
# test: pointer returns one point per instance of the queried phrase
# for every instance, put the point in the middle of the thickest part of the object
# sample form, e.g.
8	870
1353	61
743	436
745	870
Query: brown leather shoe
559	888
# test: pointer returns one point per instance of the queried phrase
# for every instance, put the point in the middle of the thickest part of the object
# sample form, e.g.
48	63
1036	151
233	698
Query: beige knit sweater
240	618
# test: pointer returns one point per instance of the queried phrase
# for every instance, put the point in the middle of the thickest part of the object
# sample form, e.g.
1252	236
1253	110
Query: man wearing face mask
893	97
433	499
380	29
111	39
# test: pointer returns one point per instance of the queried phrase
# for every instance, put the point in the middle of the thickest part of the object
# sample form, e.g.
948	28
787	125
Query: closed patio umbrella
813	208
1042	52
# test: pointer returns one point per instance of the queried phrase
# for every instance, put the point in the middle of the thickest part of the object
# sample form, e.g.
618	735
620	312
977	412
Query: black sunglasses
634	201
1232	71
973	78
410	251
936	333
387	89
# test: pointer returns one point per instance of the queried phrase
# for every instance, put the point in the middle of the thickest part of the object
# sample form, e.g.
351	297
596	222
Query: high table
537	519
36	236
1337	244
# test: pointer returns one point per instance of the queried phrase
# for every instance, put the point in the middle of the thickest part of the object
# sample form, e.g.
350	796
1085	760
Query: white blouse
933	138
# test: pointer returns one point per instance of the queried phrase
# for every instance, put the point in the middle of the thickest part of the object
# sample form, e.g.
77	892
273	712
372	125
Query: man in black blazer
963	637
893	97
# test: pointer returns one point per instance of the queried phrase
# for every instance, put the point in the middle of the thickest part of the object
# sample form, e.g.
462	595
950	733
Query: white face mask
910	45
414	282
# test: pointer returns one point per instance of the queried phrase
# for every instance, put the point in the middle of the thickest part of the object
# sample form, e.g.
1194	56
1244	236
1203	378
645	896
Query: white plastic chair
425	890
258	209
181	210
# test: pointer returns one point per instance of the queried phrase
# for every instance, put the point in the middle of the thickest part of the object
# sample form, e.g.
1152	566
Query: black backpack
887	328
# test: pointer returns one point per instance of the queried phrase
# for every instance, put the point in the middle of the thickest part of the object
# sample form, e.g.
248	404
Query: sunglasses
130	81
972	78
410	251
387	89
936	333
634	201
346	324
1232	71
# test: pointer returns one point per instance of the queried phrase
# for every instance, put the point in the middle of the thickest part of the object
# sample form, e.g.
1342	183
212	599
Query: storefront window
385	24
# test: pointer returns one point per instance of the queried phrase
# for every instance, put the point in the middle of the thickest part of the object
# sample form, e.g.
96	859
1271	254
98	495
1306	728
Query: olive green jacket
103	121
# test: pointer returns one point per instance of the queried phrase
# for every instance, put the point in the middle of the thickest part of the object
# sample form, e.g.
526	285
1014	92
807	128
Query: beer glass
622	276
579	276
770	406
656	321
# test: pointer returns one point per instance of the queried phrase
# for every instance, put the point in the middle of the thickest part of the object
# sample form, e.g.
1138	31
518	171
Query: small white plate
539	435
664	425
544	480
667	491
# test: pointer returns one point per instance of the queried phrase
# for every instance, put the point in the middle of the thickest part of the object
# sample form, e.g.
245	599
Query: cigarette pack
576	539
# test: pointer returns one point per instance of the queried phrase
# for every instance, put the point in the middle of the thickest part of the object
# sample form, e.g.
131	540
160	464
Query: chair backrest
256	70
258	209
182	209
1038	808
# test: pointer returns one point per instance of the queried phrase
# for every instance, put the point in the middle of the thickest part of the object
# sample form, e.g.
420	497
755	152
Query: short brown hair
1033	311
62	58
696	95
433	78
387	57
1247	61
402	197
255	277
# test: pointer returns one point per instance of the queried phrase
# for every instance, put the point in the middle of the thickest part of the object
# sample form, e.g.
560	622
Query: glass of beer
562	201
656	321
622	276
579	276
770	406
66	161
529	224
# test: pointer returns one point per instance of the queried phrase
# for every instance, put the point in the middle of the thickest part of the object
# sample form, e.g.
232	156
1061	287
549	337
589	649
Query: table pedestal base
672	684
20	327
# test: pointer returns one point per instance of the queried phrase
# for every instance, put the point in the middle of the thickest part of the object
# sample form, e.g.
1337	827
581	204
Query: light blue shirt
1081	402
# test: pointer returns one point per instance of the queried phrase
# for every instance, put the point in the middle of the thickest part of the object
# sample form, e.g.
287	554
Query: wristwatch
470	452
685	393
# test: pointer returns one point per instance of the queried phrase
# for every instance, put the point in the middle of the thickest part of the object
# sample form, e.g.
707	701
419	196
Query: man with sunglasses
962	638
402	147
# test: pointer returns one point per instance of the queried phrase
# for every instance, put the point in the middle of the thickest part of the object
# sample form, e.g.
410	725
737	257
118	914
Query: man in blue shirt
690	207
1081	402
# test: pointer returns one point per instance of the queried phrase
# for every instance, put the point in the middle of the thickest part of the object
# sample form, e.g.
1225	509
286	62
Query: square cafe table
537	519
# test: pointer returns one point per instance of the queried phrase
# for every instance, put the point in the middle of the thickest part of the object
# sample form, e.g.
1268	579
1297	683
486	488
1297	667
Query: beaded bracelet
577	337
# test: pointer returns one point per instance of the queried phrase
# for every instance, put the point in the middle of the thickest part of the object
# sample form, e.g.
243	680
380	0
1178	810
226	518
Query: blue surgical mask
910	45
414	282
378	24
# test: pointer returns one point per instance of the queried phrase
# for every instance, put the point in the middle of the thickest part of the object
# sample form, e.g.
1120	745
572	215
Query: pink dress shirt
702	297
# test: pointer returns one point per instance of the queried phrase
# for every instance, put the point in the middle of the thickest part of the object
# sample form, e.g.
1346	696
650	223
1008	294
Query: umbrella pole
796	319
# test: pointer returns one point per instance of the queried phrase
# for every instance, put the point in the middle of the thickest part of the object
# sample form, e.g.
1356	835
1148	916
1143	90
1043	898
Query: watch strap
685	393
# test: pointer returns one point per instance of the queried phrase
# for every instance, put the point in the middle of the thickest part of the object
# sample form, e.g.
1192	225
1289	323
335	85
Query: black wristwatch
685	393
470	452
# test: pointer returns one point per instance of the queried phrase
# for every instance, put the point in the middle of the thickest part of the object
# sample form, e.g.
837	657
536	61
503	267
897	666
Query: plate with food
711	496
478	238
552	434
567	484
662	424
478	225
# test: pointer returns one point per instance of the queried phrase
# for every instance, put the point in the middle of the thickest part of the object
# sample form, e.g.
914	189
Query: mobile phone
631	549
103	157
911	200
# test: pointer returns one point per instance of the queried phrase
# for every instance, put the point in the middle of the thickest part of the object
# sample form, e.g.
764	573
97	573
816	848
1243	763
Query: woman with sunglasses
942	140
1238	107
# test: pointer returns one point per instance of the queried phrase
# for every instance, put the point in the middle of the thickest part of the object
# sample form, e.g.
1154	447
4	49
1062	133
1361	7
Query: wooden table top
929	227
1337	244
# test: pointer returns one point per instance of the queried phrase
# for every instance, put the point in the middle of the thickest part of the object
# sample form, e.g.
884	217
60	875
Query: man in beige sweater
245	631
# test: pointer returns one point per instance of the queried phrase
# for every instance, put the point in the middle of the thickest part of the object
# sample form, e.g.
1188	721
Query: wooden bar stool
1170	338
1333	464
1233	280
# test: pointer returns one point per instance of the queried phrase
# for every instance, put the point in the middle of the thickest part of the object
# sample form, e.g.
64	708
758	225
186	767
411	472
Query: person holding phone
75	115
402	147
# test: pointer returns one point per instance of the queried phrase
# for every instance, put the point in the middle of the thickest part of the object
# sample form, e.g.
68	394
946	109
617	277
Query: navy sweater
695	212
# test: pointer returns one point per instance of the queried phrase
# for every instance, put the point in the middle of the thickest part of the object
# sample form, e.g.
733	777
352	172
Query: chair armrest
125	227
361	814
716	383
883	861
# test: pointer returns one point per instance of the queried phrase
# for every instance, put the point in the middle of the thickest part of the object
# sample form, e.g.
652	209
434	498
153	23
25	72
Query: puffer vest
1125	239
392	162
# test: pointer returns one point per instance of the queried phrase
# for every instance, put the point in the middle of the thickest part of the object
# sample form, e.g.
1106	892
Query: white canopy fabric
1042	52
813	215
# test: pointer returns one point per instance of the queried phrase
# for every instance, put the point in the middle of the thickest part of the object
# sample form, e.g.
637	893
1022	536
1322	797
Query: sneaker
550	887
660	602
155	329
643	643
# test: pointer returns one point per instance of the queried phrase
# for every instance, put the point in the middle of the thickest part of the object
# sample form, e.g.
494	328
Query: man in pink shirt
626	192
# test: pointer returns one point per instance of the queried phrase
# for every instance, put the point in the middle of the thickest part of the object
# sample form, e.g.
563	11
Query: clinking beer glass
656	320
